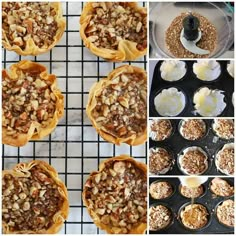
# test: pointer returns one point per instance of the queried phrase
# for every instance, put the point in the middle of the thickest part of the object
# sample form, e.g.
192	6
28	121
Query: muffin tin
189	84
177	201
176	143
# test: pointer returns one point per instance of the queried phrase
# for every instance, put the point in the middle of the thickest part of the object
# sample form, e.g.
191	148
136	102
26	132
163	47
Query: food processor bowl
163	13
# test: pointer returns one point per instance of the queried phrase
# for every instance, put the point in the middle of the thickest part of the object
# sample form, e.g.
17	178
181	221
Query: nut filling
118	196
225	213
225	159
30	203
121	106
193	129
160	129
221	187
24	20
113	22
160	190
160	161
193	161
29	99
224	128
194	216
159	217
191	192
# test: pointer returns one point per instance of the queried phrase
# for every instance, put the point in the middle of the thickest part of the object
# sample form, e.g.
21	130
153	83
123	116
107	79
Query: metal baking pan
176	201
175	143
189	85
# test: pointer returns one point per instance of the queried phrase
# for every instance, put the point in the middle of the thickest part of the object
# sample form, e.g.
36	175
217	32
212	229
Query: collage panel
206	207
187	29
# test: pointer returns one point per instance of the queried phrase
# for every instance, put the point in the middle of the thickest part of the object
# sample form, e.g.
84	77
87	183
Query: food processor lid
217	13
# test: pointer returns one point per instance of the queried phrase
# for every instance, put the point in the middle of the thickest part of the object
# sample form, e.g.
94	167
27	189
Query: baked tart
116	31
31	103
34	199
116	196
31	28
117	106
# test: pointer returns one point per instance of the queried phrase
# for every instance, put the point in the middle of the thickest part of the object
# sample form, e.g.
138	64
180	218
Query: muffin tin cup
171	82
166	198
209	217
206	131
215	158
212	81
172	215
202	195
228	181
152	106
209	200
172	132
176	143
212	88
189	85
230	139
172	157
207	156
215	215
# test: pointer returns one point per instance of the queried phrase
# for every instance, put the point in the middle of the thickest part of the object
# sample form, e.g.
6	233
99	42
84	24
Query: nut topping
119	199
121	107
24	20
34	209
26	100
112	22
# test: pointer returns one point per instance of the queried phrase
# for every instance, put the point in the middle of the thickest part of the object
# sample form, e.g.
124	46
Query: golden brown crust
127	50
23	170
31	48
35	131
141	227
92	102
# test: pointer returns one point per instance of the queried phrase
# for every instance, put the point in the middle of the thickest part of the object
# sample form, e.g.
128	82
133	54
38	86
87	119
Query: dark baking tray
177	200
189	84
176	143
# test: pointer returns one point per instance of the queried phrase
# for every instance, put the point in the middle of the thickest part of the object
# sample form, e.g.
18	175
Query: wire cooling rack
74	149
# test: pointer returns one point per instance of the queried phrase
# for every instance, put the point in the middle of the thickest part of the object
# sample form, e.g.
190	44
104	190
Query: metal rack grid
74	148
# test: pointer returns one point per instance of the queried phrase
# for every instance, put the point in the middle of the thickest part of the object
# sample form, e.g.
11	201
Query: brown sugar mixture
194	216
221	187
160	190
208	40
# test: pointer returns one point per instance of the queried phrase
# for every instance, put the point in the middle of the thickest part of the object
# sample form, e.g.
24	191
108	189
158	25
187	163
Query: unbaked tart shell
23	170
31	48
35	132
92	102
141	228
126	49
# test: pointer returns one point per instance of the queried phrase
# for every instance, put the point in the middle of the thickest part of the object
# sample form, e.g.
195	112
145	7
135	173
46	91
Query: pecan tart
31	103
116	196
34	199
116	31
31	28
117	106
